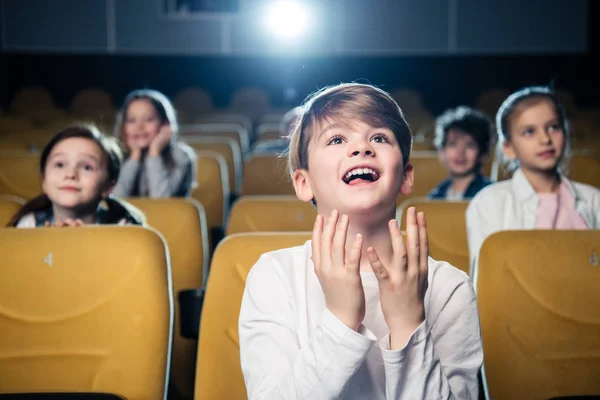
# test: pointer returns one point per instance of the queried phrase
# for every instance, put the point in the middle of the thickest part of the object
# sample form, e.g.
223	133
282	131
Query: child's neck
374	235
461	183
543	181
61	214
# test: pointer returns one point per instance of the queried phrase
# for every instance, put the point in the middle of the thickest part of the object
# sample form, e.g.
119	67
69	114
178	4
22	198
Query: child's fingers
79	222
423	244
327	239
398	245
353	263
316	240
338	255
412	245
378	268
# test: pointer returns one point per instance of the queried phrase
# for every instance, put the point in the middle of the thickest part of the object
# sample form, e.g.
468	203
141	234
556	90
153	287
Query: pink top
557	211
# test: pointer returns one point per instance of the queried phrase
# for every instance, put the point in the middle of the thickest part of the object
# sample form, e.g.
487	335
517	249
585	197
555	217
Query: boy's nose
362	148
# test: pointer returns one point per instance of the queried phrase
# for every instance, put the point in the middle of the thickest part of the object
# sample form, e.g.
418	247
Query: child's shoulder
183	153
496	191
443	271
26	221
446	281
586	190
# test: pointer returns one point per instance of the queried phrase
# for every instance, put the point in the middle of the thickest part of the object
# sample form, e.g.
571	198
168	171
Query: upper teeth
361	171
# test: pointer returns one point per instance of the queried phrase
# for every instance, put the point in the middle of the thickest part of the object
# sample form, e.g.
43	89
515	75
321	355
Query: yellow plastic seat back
9	206
428	172
20	174
266	174
585	169
233	131
218	370
271	213
229	149
213	187
85	310
540	313
446	229
182	223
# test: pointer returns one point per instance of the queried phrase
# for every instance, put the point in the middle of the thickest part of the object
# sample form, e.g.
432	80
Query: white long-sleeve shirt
292	347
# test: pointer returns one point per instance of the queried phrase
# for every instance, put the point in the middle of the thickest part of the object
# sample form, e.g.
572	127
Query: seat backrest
446	229
20	174
428	172
251	101
14	125
270	214
585	169
193	100
92	102
9	206
269	131
182	222
213	187
218	370
266	174
220	118
540	313
30	99
85	310
229	149
234	131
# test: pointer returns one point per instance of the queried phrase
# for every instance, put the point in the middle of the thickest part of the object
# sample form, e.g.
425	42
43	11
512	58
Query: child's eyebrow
329	127
94	158
55	155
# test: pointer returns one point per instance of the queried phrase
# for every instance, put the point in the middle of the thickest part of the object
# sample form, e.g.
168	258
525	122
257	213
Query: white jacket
512	205
292	347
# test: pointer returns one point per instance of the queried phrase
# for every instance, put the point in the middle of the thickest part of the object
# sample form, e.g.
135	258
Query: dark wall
442	81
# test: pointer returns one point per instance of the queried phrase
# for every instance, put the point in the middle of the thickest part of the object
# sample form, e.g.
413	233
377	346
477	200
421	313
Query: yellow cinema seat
85	310
540	313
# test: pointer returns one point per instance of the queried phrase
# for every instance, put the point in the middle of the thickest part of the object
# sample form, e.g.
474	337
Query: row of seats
537	294
507	281
189	242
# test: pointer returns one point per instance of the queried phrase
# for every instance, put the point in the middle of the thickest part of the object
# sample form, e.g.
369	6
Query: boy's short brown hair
342	102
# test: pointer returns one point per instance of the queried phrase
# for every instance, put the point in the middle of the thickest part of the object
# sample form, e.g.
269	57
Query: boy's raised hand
403	283
339	275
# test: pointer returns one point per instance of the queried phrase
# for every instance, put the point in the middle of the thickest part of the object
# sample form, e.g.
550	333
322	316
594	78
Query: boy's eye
380	139
471	145
335	140
59	164
88	167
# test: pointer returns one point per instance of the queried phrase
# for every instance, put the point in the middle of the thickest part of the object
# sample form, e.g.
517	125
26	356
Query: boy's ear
408	180
302	185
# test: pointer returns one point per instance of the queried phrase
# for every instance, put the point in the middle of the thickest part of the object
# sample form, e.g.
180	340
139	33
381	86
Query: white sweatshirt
292	347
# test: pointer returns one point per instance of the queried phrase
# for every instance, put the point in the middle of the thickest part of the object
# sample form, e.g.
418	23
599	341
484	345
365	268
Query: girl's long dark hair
116	209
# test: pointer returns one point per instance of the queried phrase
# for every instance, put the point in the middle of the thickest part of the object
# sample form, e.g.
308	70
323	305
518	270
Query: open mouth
360	175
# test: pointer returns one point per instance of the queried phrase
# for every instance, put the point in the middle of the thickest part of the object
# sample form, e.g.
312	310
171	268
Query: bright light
287	19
